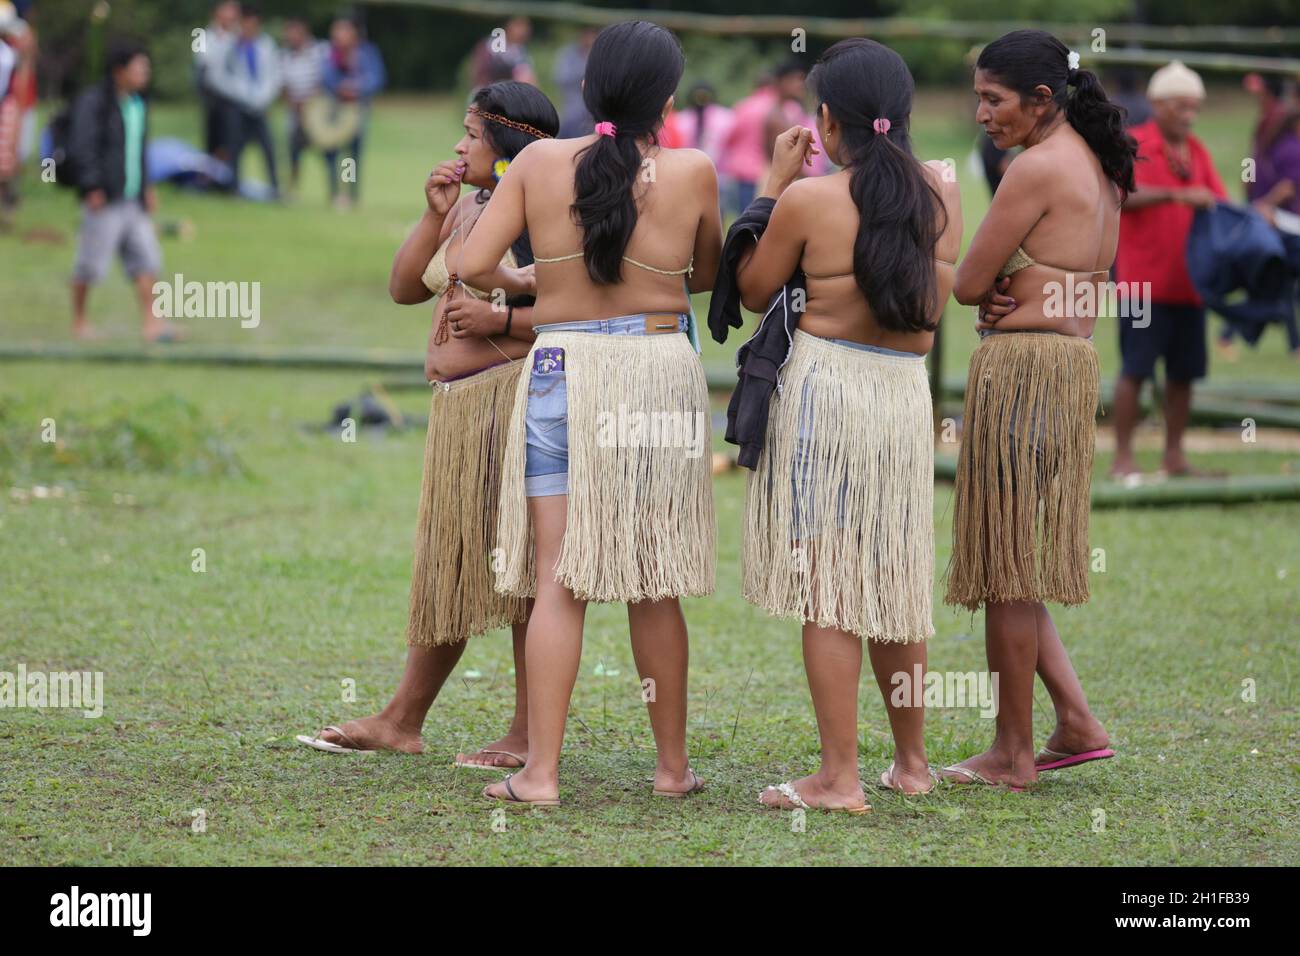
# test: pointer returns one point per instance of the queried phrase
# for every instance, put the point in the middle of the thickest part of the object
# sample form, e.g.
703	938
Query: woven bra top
436	276
686	271
1023	260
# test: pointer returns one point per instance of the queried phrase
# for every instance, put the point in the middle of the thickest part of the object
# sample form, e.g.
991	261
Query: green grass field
208	676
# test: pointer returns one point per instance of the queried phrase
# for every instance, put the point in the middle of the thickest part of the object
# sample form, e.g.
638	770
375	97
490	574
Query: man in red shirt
1175	176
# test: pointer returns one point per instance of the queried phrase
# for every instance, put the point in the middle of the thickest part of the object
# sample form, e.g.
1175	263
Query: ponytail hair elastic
881	126
1072	63
606	128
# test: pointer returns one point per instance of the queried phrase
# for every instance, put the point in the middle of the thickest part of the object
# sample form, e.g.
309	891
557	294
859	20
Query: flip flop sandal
316	743
788	791
513	798
1055	760
696	786
466	765
975	777
888	775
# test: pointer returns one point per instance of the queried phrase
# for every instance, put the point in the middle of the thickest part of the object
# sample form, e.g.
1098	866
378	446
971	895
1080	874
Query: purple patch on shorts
548	360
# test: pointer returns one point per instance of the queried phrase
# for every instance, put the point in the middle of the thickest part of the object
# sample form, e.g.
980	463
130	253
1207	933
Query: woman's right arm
762	271
441	190
1016	208
500	223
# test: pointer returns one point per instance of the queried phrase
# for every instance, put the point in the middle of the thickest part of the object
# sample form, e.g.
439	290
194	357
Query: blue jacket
369	74
1232	249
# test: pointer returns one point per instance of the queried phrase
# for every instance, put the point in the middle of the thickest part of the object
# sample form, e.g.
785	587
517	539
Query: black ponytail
632	70
900	214
1023	60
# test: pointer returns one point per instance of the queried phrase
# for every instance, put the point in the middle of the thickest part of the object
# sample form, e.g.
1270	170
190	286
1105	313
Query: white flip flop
328	746
465	765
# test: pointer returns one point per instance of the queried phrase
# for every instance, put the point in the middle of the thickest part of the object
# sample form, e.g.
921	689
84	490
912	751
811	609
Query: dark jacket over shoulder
759	360
97	142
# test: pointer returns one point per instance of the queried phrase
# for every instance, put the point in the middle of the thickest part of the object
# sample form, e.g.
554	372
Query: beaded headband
497	118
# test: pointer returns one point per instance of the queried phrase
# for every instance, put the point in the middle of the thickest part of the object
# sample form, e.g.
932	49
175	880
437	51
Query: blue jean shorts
806	522
546	418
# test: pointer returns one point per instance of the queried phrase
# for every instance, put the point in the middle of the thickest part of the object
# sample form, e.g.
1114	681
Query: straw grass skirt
839	526
640	523
1024	475
452	597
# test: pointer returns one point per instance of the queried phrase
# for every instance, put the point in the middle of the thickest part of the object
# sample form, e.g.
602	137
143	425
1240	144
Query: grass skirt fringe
640	522
452	597
1024	475
840	511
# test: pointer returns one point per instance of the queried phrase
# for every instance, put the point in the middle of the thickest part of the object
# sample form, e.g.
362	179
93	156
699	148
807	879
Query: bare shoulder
541	153
690	158
1032	168
812	191
802	199
694	163
459	213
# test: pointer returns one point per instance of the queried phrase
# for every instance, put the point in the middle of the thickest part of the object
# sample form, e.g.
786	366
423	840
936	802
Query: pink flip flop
1059	761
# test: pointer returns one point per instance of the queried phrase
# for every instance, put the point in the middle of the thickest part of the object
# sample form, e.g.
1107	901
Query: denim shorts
546	418
805	520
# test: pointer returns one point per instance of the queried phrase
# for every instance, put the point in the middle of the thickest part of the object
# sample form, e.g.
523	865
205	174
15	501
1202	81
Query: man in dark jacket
106	145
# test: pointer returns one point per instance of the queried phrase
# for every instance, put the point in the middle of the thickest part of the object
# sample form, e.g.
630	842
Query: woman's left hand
995	305
472	318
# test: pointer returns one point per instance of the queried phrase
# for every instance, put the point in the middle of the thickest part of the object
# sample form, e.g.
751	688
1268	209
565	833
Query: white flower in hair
1072	61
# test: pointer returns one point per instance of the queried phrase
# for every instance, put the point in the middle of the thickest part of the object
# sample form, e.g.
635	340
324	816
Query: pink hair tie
881	125
606	128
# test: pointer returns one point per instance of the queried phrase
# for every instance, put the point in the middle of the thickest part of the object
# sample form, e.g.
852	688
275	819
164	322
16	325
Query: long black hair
632	70
1026	59
522	103
900	214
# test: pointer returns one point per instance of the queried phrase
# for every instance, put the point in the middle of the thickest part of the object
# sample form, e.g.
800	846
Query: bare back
678	225
814	227
1057	204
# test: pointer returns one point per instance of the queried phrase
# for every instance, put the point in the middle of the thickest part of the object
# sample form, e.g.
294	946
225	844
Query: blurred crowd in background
242	68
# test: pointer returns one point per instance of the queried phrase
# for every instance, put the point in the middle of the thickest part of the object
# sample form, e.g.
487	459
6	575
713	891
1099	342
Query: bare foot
86	332
508	753
813	792
376	733
992	768
521	788
908	782
676	784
